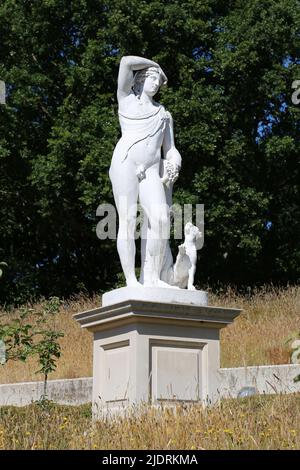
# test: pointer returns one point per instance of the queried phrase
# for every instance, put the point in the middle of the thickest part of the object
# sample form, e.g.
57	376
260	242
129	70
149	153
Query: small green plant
31	335
17	337
48	350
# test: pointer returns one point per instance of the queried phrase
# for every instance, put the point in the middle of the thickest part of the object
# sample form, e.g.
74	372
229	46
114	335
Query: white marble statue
138	173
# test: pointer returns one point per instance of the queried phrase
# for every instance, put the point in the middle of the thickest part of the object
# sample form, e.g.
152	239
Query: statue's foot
133	283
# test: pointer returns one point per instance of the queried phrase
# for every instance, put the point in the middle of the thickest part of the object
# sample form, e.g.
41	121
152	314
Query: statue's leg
125	189
144	232
192	254
192	271
153	201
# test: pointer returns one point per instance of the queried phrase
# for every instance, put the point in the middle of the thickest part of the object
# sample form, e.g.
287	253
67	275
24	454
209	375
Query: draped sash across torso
137	129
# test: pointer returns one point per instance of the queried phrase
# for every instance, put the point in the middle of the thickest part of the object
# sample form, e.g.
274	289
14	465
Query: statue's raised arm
128	65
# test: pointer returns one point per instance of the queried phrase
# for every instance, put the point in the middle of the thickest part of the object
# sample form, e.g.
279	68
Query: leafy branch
30	335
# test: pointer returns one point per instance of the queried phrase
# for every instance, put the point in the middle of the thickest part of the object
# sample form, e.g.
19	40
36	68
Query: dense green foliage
230	65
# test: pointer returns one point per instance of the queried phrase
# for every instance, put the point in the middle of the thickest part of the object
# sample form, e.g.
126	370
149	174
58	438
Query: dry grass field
261	422
261	335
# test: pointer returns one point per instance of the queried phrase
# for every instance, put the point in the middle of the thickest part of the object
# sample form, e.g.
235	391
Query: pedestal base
156	294
147	351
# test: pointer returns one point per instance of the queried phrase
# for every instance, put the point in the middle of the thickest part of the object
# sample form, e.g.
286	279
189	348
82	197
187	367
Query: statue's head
149	80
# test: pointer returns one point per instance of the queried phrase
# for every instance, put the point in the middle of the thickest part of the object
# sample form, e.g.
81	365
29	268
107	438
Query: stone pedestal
154	350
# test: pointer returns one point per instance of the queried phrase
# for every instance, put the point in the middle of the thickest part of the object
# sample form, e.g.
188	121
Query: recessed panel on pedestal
176	371
116	365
